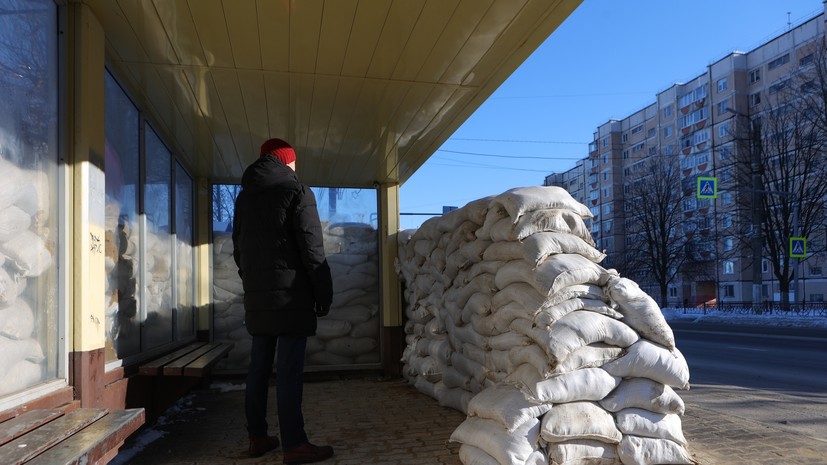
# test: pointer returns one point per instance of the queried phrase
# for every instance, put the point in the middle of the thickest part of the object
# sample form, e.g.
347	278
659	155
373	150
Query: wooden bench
58	437
194	360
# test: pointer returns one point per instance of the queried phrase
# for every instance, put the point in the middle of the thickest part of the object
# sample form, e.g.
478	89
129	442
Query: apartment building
701	126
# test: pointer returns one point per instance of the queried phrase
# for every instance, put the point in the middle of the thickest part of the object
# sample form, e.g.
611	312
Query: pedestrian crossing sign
707	188
798	247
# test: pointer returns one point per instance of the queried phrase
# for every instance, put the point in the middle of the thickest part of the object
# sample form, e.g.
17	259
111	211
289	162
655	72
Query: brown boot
263	444
307	453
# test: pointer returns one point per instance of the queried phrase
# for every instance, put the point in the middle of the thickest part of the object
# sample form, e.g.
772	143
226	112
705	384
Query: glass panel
158	240
350	333
28	207
123	330
185	256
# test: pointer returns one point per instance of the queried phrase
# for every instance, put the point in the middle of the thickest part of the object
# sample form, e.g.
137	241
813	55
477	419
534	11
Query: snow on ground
791	320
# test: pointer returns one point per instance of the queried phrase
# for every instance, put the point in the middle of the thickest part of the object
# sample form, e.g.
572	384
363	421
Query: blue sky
607	60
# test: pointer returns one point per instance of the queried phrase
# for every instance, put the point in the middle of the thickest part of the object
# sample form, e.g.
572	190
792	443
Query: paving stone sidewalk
373	421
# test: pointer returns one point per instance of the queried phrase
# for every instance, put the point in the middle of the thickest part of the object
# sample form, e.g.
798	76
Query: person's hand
322	310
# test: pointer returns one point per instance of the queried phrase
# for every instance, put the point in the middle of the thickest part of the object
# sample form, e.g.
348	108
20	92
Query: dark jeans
289	386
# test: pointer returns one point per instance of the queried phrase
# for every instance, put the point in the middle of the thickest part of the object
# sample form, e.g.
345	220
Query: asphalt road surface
773	375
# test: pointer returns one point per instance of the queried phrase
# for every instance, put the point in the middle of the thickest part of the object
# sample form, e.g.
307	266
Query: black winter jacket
277	239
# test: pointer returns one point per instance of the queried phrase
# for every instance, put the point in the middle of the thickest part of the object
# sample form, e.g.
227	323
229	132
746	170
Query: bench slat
25	422
202	364
156	367
176	367
36	441
93	442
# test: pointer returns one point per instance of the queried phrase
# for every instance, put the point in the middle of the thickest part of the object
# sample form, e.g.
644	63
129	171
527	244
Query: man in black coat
277	239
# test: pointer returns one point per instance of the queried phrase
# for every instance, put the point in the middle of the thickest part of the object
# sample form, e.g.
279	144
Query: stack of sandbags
553	358
25	254
348	335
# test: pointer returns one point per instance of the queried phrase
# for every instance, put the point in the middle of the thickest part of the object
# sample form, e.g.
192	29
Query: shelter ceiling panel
342	117
274	34
254	97
124	44
399	23
233	114
336	28
461	26
147	25
518	41
367	28
211	32
430	26
305	30
277	91
489	27
243	30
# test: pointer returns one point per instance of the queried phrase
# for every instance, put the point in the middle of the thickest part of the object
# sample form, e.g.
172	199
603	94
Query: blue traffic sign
798	247
707	188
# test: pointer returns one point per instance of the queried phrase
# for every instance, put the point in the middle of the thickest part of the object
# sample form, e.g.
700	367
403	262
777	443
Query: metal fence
798	309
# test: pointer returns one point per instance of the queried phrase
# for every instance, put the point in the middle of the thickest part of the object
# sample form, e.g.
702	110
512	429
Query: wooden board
26	422
201	365
156	367
37	441
93	442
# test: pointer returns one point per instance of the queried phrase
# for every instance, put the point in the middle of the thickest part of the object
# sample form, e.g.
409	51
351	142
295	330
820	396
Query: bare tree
657	249
223	201
780	162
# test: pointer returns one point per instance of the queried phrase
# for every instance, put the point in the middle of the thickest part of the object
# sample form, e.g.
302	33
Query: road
777	376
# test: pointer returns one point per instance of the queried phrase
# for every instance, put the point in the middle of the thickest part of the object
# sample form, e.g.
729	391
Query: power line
494	155
516	141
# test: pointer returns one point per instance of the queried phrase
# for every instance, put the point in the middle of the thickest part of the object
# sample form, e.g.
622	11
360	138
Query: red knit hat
279	149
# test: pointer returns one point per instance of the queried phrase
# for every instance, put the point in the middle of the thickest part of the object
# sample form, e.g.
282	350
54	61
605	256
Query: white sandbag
427	367
519	200
634	450
13	221
537	247
492	216
474	370
646	359
13	183
589	356
462	234
588	291
328	358
582	452
471	455
17	320
507	341
347	259
28	252
484	283
640	422
550	314
532	355
478	305
489	435
351	346
640	311
455	398
553	274
507	405
575	330
521	293
579	420
541	221
232	285
21	375
459	335
469	273
586	384
476	210
355	314
354	280
10	287
331	329
34	198
473	251
452	378
13	351
646	394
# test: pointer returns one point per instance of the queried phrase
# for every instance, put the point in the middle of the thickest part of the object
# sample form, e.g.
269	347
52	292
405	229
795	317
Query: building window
806	60
626	154
653	150
754	99
722	84
726	221
637	148
605	142
723	130
779	86
29	222
755	75
815	271
729	267
726	198
729	244
728	290
673	292
723	107
624	138
667	111
667	131
668	150
816	297
637	129
782	60
651	132
607	209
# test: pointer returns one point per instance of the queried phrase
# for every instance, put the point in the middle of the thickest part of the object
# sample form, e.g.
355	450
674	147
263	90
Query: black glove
322	310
